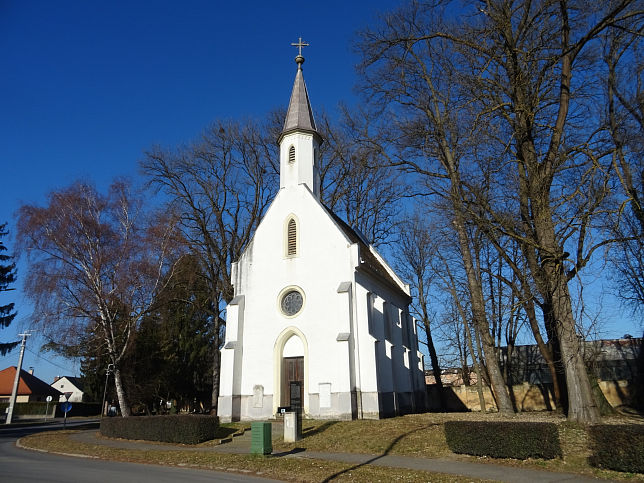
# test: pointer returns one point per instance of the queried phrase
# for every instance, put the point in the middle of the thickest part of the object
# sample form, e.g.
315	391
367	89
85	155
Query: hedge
33	408
186	429
518	440
618	447
80	409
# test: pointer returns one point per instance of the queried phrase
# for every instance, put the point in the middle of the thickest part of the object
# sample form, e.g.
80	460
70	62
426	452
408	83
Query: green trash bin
261	441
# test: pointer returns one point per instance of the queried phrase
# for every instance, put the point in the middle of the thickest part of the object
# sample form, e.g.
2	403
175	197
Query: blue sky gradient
88	86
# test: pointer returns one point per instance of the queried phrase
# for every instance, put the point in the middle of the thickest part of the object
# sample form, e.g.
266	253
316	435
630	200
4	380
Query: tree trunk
545	351
120	394
477	369
435	366
581	404
216	368
497	383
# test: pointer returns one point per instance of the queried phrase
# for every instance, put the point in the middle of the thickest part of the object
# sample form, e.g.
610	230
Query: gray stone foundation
342	406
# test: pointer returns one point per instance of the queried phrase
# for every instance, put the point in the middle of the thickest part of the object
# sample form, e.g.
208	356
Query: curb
75	455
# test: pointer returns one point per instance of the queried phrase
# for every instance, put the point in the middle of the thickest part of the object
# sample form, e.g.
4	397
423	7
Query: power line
40	356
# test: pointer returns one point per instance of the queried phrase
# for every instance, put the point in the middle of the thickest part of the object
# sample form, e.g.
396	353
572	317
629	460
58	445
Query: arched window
291	155
291	238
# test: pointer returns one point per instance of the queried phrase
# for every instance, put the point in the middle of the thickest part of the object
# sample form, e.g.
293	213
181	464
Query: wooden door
293	381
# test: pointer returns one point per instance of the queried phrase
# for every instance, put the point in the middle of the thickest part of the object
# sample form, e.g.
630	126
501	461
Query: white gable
318	318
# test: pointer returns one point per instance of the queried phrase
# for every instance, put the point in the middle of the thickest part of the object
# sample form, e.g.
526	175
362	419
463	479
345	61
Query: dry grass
411	435
287	469
420	435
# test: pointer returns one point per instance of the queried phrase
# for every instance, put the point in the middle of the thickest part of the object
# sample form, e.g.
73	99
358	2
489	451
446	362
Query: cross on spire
299	45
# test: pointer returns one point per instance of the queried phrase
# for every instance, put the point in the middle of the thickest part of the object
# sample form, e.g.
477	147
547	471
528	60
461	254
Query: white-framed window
291	235
291	154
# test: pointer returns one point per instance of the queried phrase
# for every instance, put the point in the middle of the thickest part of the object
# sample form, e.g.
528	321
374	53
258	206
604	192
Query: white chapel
319	320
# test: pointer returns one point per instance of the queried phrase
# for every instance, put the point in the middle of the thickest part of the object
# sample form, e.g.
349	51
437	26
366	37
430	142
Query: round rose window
291	302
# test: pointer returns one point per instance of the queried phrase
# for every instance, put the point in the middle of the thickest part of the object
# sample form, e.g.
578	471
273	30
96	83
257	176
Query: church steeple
299	141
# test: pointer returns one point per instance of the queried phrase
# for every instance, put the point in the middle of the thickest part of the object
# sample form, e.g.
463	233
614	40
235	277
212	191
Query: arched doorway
291	369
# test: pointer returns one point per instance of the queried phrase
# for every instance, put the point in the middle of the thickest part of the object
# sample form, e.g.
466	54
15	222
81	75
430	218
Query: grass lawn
419	435
422	435
287	469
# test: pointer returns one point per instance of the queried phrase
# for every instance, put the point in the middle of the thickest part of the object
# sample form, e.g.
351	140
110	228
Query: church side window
406	329
291	237
387	320
291	155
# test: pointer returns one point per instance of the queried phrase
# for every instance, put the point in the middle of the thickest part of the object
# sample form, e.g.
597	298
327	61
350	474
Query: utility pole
14	391
110	368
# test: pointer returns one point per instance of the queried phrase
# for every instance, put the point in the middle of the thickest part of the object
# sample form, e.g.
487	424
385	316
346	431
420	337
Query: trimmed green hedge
518	440
618	447
186	429
33	408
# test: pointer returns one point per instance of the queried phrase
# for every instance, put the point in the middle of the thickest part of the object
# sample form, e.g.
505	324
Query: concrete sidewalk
241	445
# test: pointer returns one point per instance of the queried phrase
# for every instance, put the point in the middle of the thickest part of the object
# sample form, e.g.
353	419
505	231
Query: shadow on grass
288	453
317	429
224	432
384	453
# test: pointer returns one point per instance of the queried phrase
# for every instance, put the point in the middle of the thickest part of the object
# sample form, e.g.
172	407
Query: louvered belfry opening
291	155
291	248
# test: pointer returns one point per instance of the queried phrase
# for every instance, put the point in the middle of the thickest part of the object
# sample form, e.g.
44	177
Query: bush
618	447
80	409
518	440
186	429
32	408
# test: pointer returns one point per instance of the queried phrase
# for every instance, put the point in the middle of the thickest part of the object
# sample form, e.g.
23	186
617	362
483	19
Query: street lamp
110	368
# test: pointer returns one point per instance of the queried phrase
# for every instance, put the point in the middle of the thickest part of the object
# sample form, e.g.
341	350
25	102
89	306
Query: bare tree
625	120
531	64
95	263
519	75
426	130
219	187
417	248
368	198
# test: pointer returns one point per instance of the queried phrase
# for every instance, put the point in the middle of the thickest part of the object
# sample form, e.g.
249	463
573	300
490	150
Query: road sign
66	407
67	395
48	399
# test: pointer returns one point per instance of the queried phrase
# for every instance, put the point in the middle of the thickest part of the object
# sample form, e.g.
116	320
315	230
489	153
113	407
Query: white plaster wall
264	271
383	365
325	259
304	170
64	385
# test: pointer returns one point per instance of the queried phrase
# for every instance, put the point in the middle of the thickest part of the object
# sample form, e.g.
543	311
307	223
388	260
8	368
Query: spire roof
300	115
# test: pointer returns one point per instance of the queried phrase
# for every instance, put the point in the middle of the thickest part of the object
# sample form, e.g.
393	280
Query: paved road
18	465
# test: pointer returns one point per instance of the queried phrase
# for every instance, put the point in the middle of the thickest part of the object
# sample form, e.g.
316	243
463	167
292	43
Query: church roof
368	260
300	115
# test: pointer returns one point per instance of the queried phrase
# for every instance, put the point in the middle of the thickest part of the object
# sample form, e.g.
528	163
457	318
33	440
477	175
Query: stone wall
527	397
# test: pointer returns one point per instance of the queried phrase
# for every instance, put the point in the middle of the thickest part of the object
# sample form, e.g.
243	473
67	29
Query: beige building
30	388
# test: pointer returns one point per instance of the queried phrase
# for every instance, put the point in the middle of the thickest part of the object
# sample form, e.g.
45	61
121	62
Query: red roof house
30	388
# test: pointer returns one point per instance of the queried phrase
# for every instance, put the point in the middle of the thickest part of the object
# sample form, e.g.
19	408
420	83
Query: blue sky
88	86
